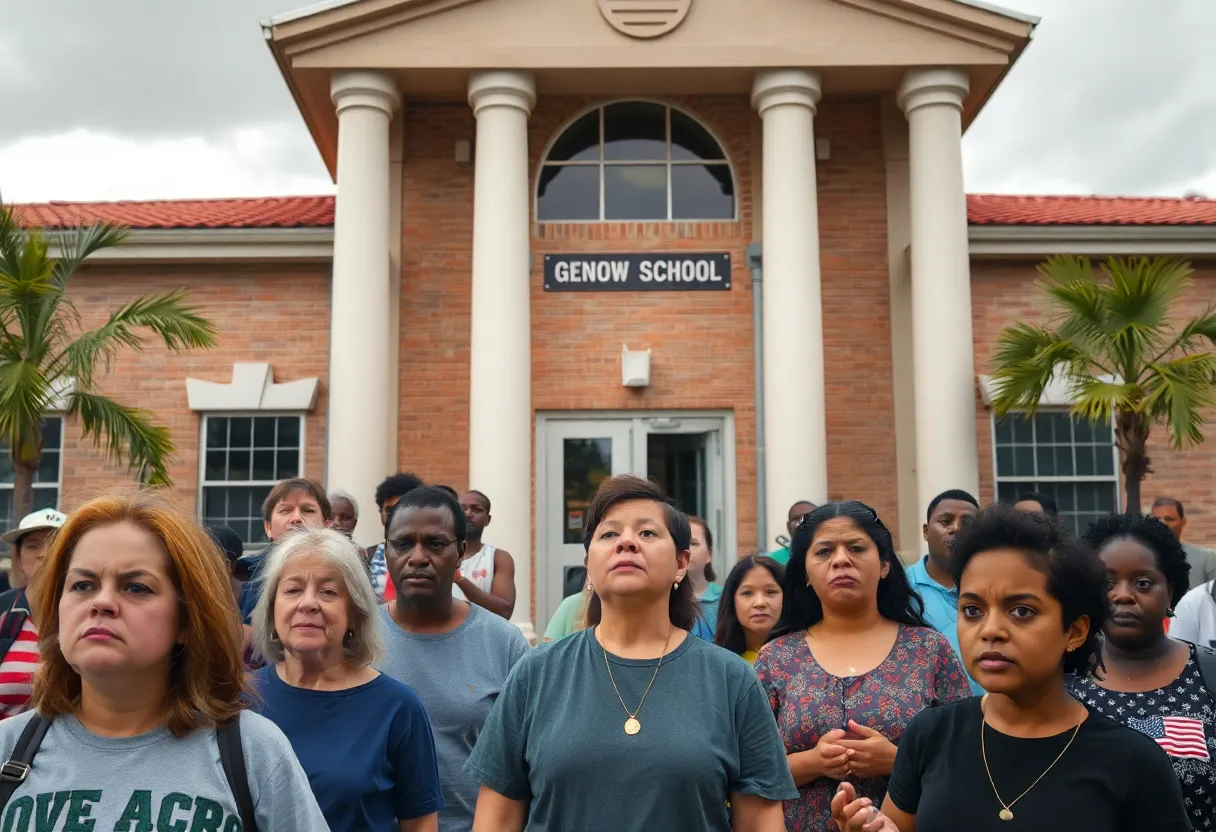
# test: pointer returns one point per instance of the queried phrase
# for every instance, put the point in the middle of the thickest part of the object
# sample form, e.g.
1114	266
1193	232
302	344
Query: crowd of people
156	676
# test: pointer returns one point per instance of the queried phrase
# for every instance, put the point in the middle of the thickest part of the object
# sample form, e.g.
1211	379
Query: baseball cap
43	518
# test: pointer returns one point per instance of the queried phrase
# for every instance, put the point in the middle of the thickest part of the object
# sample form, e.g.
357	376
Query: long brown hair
682	607
206	678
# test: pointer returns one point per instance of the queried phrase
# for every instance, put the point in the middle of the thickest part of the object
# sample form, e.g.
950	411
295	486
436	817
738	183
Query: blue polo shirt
941	607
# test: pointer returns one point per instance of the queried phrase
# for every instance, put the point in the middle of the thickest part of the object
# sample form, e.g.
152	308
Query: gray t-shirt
457	675
1202	561
556	739
80	781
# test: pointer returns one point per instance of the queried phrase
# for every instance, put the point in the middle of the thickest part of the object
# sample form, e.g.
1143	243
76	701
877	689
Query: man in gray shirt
454	655
1201	559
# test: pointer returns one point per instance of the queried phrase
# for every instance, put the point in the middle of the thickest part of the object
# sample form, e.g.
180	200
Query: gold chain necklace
1006	812
632	724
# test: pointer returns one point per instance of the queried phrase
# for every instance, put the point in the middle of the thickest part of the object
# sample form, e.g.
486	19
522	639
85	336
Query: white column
943	361
794	421
358	454
500	350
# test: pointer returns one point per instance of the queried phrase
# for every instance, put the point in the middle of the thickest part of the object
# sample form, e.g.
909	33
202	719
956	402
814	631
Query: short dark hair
797	503
729	632
450	490
284	487
1047	502
682	607
709	544
1153	535
1075	577
483	497
952	494
397	485
801	607
431	496
1170	501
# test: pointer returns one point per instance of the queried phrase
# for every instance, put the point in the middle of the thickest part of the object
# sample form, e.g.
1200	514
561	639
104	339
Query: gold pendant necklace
633	725
1006	812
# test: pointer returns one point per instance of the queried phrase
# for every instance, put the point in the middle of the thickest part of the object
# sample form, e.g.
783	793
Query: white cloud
88	165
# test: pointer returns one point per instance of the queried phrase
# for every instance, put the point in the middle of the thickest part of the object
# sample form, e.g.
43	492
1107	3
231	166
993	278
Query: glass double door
684	455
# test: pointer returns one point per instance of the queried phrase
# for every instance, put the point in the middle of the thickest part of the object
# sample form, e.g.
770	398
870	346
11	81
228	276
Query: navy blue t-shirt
368	750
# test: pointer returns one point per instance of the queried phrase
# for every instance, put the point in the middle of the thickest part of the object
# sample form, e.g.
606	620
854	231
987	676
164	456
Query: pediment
574	34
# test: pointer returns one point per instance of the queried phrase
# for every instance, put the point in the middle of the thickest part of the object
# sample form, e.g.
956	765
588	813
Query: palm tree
1111	340
45	356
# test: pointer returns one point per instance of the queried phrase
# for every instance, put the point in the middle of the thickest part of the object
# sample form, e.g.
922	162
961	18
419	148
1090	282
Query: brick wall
701	342
1002	292
266	313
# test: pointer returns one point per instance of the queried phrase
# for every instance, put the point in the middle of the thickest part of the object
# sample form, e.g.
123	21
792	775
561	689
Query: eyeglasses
431	545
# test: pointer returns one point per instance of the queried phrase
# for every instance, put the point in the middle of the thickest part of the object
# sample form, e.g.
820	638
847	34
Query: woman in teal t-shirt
594	731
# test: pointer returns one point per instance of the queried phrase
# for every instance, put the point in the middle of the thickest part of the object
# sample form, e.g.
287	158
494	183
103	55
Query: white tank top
479	569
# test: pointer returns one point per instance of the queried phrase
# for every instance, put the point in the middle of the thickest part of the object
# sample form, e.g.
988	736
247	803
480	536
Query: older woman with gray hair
362	737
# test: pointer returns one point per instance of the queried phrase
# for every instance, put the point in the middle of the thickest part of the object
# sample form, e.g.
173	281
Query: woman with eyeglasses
851	660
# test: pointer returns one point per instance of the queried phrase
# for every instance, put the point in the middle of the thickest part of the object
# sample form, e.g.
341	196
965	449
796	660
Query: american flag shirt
1181	717
17	670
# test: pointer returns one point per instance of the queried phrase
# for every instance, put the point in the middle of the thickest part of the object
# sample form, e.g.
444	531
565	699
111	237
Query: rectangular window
46	479
1071	460
243	458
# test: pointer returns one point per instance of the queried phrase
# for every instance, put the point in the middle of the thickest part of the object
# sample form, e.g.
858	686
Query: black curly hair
1075	577
801	607
1153	535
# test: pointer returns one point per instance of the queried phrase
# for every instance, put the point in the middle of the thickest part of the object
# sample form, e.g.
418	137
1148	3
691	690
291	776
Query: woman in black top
1152	683
1028	756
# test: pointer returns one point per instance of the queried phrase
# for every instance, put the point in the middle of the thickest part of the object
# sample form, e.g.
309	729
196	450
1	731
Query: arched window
635	161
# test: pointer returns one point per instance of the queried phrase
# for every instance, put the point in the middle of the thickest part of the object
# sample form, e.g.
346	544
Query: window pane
217	466
1085	461
702	192
238	507
241	433
1007	492
263	465
1106	497
635	131
1023	429
45	498
6	510
6	465
635	192
585	464
288	464
580	142
1043	433
568	193
1046	460
1004	431
1104	457
52	434
217	432
690	141
1023	461
1083	431
48	467
289	432
238	465
1061	425
1004	462
1064	461
263	431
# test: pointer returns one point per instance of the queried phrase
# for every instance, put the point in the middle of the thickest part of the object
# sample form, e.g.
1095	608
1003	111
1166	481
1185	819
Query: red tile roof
262	212
318	211
984	209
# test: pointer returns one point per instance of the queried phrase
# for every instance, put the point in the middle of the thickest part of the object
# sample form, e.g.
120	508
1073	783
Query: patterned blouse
921	670
1181	717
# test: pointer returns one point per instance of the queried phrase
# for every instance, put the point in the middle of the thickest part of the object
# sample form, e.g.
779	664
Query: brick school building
574	238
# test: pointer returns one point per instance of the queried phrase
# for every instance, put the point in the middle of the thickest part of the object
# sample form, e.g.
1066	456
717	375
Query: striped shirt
17	670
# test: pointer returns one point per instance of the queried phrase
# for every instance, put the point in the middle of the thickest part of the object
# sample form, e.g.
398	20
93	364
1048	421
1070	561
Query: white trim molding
252	388
305	245
1056	394
1035	241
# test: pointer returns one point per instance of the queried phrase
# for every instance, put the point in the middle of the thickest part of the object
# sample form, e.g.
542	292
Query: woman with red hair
137	715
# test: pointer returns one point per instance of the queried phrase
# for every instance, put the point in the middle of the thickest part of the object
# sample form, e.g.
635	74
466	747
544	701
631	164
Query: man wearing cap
18	633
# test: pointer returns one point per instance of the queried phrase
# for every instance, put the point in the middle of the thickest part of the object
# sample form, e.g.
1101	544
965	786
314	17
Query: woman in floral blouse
851	660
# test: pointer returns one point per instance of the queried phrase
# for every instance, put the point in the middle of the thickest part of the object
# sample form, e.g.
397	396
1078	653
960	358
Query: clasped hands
873	755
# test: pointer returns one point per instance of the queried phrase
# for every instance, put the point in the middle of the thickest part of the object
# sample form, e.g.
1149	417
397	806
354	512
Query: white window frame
13	521
600	163
997	479
204	483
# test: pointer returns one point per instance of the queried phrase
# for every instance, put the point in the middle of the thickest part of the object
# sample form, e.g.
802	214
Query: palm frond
25	394
1076	297
12	236
1192	334
166	316
1027	358
81	242
1178	391
1097	399
1143	289
127	434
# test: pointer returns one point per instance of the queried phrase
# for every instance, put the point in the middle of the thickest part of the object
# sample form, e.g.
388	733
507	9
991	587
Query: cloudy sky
142	99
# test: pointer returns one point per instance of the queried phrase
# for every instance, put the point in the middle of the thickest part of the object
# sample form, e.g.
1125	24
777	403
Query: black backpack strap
1206	658
15	614
232	758
14	772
